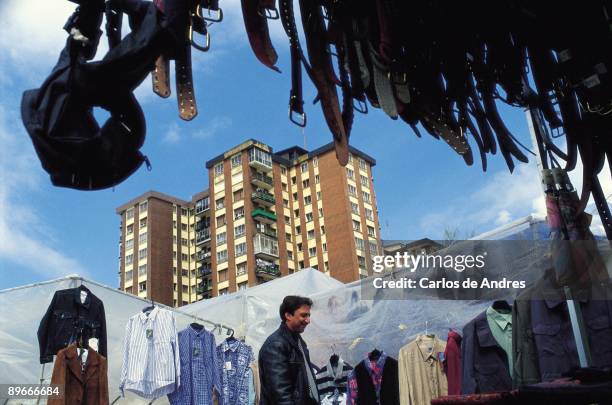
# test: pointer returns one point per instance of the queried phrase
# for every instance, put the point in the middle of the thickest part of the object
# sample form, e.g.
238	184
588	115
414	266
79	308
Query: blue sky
47	232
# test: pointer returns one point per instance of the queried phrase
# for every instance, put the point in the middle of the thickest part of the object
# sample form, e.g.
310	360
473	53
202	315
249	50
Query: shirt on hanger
330	379
421	372
375	369
452	362
151	366
501	328
234	359
200	373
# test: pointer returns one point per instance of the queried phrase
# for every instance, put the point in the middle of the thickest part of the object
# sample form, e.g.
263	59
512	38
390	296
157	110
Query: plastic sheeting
21	310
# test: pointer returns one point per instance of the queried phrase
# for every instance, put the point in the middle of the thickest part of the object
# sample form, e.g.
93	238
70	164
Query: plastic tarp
21	310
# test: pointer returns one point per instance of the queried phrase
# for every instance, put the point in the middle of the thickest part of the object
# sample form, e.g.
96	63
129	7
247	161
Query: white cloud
172	134
25	237
211	128
503	217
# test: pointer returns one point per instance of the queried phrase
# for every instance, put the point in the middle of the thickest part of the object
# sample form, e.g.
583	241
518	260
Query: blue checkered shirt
234	359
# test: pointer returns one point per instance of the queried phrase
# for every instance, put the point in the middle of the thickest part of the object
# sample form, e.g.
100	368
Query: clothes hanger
502	306
334	358
231	337
196	325
149	308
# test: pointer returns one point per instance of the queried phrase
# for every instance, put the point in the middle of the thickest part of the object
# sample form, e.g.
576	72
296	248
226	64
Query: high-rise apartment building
263	216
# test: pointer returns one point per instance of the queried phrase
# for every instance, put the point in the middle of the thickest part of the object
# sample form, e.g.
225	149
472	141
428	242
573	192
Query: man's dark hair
291	303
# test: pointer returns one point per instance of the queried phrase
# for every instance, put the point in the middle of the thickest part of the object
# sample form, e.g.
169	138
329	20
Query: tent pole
536	127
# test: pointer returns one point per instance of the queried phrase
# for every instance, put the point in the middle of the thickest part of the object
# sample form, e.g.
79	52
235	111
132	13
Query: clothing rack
76	281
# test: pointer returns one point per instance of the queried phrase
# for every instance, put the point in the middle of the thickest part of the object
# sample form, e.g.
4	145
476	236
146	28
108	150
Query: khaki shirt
421	374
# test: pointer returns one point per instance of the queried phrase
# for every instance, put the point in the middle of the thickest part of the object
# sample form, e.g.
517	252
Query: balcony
261	180
263	197
201	206
260	159
267	230
267	270
202	255
203	271
264	216
265	247
202	236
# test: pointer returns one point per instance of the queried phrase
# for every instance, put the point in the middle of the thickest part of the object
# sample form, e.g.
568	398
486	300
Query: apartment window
366	196
143	207
359	243
371	232
129	214
241	249
142	239
128	275
130	229
304	167
315	162
362	262
222	256
239	213
129	259
318	195
295	196
183	227
220	203
142	287
309	217
362	164
307	200
184	272
184	212
299	247
289	255
297	213
356	226
174	271
369	214
287	220
174	208
238	195
354	208
285	203
350	173
350	159
235	160
293	181
305	183
326	266
317	179
174	224
322	229
143	222
219	169
174	256
241	268
174	239
311	234
352	190
364	181
201	205
239	231
260	156
312	251
285	187
142	254
224	291
242	286
185	302
320	212
184	257
298	230
283	170
220	220
325	247
222	276
221	238
373	248
288	237
129	244
301	264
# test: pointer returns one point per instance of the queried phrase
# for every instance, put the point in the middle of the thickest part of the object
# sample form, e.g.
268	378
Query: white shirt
151	363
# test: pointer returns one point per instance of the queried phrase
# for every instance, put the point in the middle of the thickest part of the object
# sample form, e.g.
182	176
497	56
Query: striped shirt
330	379
200	372
151	366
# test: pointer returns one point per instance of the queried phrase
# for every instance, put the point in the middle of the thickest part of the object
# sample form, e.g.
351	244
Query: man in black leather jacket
285	372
